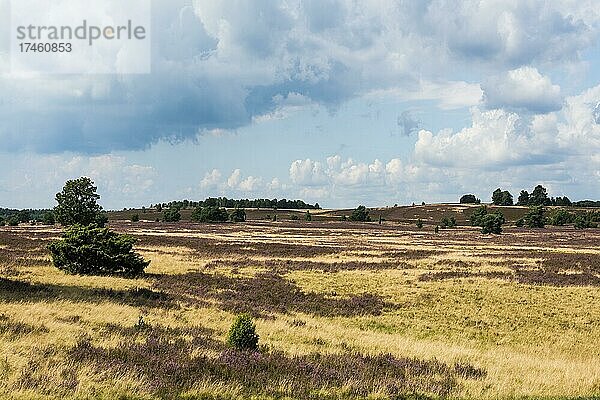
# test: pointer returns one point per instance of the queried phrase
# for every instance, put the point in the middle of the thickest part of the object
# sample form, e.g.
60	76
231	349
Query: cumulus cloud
221	65
523	88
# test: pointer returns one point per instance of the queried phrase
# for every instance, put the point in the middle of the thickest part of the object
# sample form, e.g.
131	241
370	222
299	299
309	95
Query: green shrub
478	215
419	223
448	222
360	214
91	250
172	215
585	221
238	215
13	221
211	214
48	218
492	223
535	217
2	222
135	217
294	217
560	217
308	216
242	334
520	222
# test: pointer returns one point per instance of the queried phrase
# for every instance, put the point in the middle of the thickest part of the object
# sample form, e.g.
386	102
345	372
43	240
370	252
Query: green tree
502	198
478	215
523	199
539	196
134	217
559	217
469	199
360	214
210	214
90	250
48	218
419	223
242	334
78	204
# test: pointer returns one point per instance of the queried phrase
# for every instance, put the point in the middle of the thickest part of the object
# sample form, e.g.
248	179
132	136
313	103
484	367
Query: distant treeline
538	197
241	203
23	215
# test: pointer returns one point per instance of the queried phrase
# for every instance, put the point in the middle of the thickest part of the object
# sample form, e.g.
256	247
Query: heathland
344	310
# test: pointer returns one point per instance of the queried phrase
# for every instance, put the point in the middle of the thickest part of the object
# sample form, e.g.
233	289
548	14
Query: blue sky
336	102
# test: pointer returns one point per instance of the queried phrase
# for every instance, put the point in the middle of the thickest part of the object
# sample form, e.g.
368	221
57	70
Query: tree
211	214
78	204
539	197
360	214
535	217
523	199
469	199
172	215
585	221
502	198
492	223
238	215
90	250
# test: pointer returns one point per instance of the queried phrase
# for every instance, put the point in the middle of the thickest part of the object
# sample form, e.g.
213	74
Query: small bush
242	334
535	217
48	218
419	223
478	215
238	215
13	221
213	214
360	214
560	217
91	250
135	218
448	222
294	217
308	216
492	223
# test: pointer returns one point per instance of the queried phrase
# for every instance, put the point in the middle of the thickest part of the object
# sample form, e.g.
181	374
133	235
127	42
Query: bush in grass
242	334
92	250
48	218
135	218
585	221
448	222
211	214
492	223
13	221
560	217
419	223
238	215
308	216
172	215
535	217
478	215
360	214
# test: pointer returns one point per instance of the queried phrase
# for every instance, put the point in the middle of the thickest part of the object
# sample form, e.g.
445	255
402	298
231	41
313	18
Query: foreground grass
342	313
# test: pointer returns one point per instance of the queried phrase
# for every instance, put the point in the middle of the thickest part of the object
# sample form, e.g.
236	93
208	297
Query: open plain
343	310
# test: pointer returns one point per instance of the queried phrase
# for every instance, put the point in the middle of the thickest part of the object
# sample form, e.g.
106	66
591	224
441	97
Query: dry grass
468	316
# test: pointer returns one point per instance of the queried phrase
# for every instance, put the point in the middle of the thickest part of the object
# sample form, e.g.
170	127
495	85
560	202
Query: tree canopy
78	204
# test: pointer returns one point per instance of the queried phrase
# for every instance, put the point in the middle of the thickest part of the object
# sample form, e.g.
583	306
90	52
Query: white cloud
211	179
523	88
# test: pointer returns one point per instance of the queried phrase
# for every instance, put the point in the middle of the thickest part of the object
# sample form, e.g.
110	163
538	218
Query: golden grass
532	340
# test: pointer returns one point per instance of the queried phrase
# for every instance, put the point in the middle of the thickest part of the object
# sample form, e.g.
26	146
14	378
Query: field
344	310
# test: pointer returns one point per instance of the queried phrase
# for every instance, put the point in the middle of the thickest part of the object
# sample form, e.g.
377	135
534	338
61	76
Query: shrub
520	222
585	221
13	221
478	215
360	214
492	223
238	215
419	223
172	215
135	217
535	217
308	216
294	217
560	217
92	250
210	214
448	222
242	334
2	222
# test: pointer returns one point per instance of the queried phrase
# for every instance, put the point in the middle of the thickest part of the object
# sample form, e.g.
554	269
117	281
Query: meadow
344	311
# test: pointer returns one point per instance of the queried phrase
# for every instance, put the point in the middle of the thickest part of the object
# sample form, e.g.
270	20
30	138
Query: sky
330	101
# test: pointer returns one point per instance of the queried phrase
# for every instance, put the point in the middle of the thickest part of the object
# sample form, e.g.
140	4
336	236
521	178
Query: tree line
537	197
224	202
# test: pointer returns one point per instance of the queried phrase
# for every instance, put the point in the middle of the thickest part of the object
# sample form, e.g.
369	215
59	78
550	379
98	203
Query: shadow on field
19	291
264	293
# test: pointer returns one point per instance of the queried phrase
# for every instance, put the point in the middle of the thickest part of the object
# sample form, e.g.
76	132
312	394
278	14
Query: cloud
523	88
222	64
